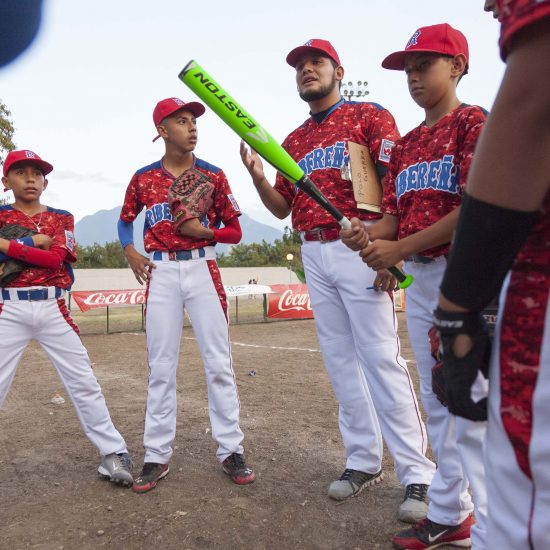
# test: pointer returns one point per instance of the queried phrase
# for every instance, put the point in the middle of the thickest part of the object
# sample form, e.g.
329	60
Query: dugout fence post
265	307
107	319
236	310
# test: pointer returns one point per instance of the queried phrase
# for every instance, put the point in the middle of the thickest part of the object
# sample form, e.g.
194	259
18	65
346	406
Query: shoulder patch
233	202
69	241
206	166
385	150
155	166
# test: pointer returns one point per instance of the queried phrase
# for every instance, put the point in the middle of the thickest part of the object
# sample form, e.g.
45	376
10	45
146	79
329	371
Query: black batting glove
459	373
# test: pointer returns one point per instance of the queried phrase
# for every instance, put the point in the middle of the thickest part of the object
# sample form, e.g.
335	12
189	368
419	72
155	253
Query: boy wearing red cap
422	197
357	327
32	306
182	274
504	231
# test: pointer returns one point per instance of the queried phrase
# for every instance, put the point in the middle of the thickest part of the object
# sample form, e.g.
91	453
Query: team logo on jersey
70	242
158	213
440	175
320	158
413	40
385	150
233	202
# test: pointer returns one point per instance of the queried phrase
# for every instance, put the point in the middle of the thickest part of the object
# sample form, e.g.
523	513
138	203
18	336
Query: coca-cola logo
290	301
128	297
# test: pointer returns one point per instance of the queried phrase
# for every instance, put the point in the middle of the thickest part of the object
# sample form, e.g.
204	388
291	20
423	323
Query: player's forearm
385	229
507	171
51	259
441	232
271	198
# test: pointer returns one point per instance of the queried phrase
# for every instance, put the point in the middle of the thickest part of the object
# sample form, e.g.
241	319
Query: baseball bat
238	119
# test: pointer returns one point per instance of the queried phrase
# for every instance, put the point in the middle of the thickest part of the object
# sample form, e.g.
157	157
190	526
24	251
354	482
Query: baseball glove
190	196
10	268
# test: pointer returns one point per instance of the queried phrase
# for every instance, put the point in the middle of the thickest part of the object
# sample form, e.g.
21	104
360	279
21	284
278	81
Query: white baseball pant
49	323
519	507
176	286
357	331
457	443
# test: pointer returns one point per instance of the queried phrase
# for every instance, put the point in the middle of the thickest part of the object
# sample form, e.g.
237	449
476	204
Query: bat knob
406	282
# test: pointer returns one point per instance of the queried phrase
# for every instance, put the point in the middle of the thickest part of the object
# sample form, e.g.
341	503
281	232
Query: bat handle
403	280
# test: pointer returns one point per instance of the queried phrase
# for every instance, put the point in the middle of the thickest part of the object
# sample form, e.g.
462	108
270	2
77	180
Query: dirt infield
52	498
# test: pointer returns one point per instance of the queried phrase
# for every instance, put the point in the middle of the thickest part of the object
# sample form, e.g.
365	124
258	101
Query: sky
82	95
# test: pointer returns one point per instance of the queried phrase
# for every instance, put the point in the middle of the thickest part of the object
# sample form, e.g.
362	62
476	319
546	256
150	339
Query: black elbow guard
487	240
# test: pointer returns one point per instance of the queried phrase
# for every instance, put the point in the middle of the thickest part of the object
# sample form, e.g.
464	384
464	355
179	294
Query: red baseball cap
312	45
169	106
25	155
440	38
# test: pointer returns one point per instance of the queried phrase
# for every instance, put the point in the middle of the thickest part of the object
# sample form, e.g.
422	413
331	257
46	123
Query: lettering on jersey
413	40
70	242
385	150
320	158
440	175
158	213
233	202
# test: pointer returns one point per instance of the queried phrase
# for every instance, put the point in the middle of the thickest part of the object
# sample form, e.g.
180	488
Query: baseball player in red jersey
422	195
356	327
182	274
32	306
508	204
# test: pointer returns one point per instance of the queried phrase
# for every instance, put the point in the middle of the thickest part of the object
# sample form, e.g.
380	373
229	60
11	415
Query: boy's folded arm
51	259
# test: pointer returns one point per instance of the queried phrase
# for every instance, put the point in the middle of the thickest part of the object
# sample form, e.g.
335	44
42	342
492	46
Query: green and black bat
233	114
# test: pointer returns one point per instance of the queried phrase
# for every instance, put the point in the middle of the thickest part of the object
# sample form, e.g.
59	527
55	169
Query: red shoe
427	534
152	473
235	467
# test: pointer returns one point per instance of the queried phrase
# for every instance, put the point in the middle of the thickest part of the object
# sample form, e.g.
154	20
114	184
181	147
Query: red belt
322	234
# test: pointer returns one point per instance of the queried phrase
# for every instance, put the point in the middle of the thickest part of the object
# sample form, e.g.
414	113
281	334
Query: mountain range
101	228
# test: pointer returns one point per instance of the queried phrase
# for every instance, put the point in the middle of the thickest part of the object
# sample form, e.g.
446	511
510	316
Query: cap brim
45	167
396	61
294	56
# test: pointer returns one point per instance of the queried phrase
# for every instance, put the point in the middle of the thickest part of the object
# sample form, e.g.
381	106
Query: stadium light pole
352	90
289	258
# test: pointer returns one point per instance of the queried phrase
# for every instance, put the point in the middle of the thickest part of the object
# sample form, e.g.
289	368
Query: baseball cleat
151	474
116	467
427	534
352	482
415	504
235	467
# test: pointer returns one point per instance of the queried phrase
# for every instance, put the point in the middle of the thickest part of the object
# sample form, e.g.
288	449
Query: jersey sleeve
64	238
389	199
132	205
471	129
225	205
381	133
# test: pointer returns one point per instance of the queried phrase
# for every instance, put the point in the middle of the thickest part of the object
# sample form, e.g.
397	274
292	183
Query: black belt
419	259
179	255
33	295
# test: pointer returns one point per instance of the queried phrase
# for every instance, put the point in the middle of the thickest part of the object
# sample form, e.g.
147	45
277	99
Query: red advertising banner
289	302
86	300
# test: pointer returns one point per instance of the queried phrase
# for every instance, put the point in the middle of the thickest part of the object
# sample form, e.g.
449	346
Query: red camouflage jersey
321	151
428	171
522	335
516	15
149	188
57	224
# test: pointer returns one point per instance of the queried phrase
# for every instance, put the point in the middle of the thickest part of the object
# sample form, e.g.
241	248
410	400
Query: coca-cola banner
289	302
86	300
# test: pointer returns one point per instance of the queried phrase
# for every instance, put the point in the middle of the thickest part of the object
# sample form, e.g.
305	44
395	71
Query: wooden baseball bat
238	119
